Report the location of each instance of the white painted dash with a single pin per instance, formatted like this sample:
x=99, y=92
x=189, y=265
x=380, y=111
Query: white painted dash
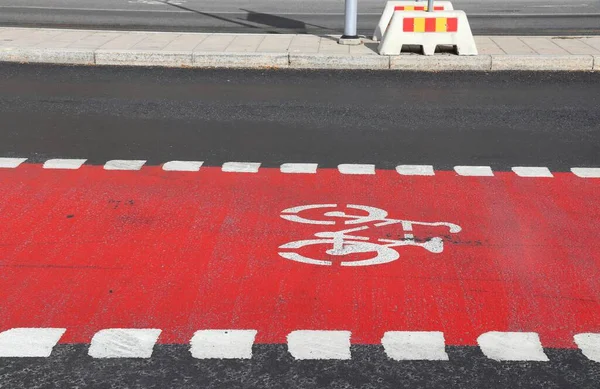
x=512, y=346
x=66, y=164
x=310, y=168
x=241, y=167
x=11, y=163
x=306, y=344
x=29, y=342
x=586, y=172
x=354, y=168
x=123, y=343
x=524, y=171
x=415, y=346
x=415, y=170
x=589, y=344
x=182, y=166
x=474, y=171
x=222, y=344
x=123, y=164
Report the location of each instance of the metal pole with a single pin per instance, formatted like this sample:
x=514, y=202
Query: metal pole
x=350, y=22
x=430, y=6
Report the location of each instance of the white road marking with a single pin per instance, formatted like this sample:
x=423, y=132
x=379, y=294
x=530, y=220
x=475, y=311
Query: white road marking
x=182, y=166
x=415, y=346
x=512, y=346
x=223, y=344
x=123, y=343
x=68, y=164
x=415, y=170
x=29, y=342
x=523, y=171
x=11, y=163
x=306, y=344
x=589, y=344
x=475, y=171
x=299, y=168
x=355, y=168
x=586, y=172
x=241, y=167
x=122, y=164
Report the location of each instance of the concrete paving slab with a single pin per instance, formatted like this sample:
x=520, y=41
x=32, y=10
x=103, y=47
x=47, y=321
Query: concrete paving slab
x=125, y=41
x=544, y=46
x=486, y=46
x=329, y=45
x=155, y=41
x=575, y=46
x=440, y=62
x=323, y=61
x=512, y=45
x=275, y=44
x=143, y=58
x=186, y=42
x=593, y=41
x=239, y=60
x=543, y=62
x=95, y=40
x=245, y=44
x=216, y=42
x=305, y=44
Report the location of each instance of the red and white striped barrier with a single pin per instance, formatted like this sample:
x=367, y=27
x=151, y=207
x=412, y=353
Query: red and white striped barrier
x=392, y=6
x=428, y=30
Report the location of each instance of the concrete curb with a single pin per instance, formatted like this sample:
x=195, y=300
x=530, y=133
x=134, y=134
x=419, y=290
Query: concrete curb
x=286, y=60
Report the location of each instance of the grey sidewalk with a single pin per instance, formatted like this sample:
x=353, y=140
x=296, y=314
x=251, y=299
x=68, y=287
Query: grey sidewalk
x=92, y=47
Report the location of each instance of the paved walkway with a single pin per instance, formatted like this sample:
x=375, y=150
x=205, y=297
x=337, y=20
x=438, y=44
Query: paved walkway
x=92, y=47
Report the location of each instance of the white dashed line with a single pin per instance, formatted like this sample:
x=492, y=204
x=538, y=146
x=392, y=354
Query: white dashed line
x=11, y=163
x=241, y=167
x=223, y=344
x=512, y=346
x=415, y=346
x=474, y=171
x=299, y=168
x=353, y=168
x=29, y=342
x=123, y=164
x=586, y=172
x=415, y=170
x=182, y=166
x=67, y=164
x=123, y=343
x=589, y=344
x=319, y=344
x=523, y=171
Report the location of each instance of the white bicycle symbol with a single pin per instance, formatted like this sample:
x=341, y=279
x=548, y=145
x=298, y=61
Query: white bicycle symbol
x=343, y=243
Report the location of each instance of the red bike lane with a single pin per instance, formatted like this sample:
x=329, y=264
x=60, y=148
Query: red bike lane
x=90, y=249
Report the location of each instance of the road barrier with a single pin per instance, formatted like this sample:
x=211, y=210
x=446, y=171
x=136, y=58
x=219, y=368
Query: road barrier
x=392, y=6
x=428, y=30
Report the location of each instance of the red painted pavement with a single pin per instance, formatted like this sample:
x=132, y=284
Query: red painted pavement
x=93, y=249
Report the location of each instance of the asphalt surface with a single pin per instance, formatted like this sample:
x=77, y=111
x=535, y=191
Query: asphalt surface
x=385, y=118
x=272, y=367
x=525, y=17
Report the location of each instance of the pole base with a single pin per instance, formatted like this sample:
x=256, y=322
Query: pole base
x=353, y=40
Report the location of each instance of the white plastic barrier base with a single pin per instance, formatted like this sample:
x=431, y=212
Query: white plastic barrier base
x=392, y=6
x=428, y=29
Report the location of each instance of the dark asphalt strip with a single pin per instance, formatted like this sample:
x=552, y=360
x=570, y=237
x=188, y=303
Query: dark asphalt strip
x=443, y=119
x=171, y=366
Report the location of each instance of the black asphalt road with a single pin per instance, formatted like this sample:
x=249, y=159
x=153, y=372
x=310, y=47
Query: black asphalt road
x=273, y=117
x=271, y=367
x=289, y=23
x=386, y=118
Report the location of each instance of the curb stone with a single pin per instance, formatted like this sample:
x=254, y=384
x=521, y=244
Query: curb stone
x=543, y=62
x=143, y=58
x=50, y=56
x=325, y=61
x=441, y=62
x=239, y=60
